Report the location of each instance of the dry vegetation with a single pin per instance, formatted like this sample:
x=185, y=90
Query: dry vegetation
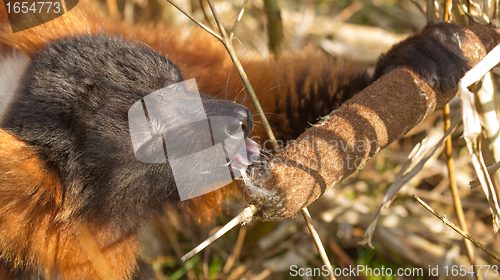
x=407, y=235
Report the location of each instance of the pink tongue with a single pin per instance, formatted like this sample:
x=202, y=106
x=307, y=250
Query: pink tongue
x=253, y=150
x=242, y=160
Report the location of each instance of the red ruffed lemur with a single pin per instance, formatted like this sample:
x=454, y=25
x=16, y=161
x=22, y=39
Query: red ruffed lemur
x=67, y=165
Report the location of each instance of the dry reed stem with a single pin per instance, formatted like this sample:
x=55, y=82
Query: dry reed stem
x=457, y=203
x=330, y=151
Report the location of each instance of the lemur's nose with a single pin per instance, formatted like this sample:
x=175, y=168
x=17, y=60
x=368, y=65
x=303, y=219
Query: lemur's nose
x=241, y=116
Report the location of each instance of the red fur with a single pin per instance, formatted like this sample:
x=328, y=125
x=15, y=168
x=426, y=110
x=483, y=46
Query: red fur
x=37, y=231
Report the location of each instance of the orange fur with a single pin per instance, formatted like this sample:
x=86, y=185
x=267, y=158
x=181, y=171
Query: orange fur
x=37, y=230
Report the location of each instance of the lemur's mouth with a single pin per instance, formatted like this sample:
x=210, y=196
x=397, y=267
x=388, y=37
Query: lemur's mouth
x=247, y=155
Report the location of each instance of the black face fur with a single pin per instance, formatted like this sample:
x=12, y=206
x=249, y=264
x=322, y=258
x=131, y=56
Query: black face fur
x=73, y=107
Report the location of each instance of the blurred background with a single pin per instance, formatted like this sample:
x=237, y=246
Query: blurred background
x=407, y=235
